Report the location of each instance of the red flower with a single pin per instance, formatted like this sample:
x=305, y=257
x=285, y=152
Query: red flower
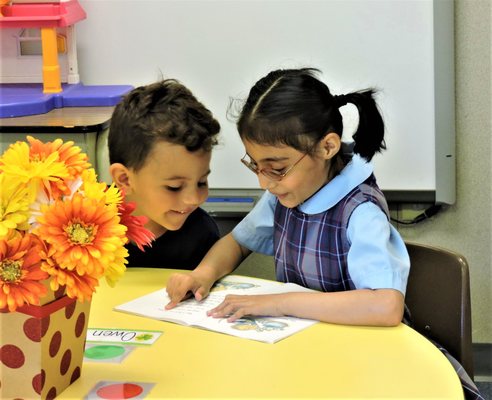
x=136, y=232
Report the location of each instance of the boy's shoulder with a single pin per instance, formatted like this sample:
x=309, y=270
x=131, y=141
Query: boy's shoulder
x=181, y=249
x=202, y=220
x=200, y=215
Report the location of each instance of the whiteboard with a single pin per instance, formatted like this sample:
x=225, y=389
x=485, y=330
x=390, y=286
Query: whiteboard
x=219, y=49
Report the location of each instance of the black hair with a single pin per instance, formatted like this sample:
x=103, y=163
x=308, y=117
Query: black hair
x=293, y=107
x=162, y=111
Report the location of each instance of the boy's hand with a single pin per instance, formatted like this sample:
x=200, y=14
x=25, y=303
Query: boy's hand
x=182, y=286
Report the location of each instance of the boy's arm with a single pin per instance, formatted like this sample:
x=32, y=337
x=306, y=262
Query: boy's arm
x=224, y=256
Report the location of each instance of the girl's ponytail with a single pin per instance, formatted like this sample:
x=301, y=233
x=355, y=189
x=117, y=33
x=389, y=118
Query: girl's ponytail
x=369, y=136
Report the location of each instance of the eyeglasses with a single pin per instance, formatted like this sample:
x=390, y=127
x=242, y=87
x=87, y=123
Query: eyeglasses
x=270, y=173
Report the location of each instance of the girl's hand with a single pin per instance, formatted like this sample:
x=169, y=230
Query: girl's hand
x=235, y=307
x=183, y=286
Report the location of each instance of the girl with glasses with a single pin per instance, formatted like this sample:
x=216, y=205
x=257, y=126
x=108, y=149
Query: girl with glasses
x=322, y=216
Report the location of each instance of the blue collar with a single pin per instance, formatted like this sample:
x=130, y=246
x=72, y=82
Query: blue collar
x=354, y=173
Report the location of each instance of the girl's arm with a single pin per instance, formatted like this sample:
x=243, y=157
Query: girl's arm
x=223, y=257
x=380, y=307
x=377, y=259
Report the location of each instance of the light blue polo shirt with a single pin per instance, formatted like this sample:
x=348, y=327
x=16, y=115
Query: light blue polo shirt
x=377, y=259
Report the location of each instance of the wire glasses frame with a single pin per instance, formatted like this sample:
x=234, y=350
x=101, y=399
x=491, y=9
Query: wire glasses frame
x=269, y=172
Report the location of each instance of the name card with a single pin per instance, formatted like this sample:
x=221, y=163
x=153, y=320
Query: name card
x=127, y=336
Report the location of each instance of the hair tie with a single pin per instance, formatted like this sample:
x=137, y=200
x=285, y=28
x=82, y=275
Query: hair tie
x=340, y=100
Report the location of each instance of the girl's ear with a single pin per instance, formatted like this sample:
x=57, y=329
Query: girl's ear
x=121, y=177
x=330, y=145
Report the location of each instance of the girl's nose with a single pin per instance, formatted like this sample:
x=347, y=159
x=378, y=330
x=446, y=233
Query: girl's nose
x=266, y=183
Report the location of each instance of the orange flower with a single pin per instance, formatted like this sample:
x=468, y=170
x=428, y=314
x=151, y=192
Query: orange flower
x=137, y=233
x=84, y=233
x=20, y=271
x=71, y=156
x=80, y=287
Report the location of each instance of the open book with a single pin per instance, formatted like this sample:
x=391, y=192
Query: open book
x=193, y=313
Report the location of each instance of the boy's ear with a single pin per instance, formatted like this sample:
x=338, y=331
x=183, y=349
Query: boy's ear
x=121, y=177
x=330, y=145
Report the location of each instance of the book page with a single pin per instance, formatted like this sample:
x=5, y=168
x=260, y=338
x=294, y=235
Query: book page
x=152, y=306
x=192, y=312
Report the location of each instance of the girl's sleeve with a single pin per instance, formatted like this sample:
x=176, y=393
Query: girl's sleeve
x=255, y=231
x=378, y=257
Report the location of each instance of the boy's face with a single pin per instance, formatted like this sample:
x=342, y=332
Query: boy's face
x=170, y=186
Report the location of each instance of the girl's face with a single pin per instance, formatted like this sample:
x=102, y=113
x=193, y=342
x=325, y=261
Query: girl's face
x=304, y=179
x=170, y=186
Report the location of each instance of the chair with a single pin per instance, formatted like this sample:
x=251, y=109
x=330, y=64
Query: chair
x=438, y=296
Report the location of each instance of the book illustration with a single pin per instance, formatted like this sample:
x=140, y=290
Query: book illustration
x=259, y=324
x=228, y=285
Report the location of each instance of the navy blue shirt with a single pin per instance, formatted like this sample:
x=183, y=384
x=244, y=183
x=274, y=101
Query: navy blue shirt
x=181, y=249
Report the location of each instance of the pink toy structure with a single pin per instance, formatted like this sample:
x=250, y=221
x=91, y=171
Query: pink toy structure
x=27, y=98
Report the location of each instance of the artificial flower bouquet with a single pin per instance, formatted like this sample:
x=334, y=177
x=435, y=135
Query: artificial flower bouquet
x=58, y=222
x=61, y=231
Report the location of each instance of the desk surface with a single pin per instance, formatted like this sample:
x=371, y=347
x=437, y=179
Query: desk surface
x=61, y=119
x=323, y=361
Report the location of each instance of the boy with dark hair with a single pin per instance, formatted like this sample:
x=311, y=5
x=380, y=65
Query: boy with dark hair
x=160, y=145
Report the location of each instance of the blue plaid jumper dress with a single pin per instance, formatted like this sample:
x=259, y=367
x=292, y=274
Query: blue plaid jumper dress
x=311, y=250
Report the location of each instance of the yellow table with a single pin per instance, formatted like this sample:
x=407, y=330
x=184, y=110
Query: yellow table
x=323, y=361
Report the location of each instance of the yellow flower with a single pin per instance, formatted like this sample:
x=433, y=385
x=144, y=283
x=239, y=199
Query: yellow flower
x=15, y=198
x=16, y=161
x=84, y=233
x=116, y=268
x=113, y=195
x=99, y=190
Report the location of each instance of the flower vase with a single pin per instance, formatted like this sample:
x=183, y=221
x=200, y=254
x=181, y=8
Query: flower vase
x=59, y=228
x=42, y=347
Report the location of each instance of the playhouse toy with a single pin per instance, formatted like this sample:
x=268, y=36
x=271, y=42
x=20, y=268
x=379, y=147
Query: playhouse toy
x=52, y=24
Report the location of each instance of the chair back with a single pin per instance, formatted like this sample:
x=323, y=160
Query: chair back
x=438, y=296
